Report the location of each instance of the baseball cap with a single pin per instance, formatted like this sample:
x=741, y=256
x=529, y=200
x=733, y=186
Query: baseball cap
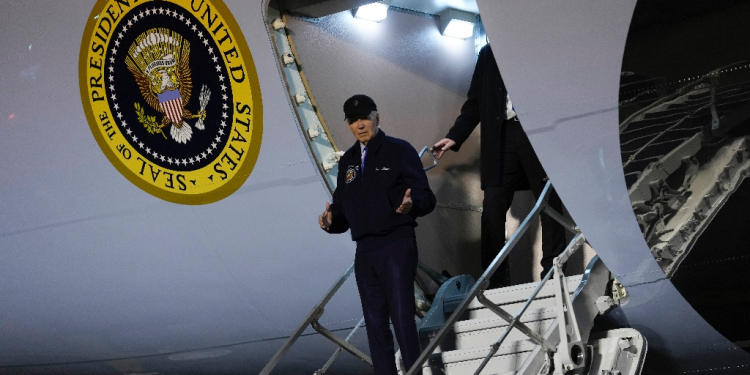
x=359, y=105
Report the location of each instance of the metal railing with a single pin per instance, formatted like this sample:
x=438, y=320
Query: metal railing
x=338, y=351
x=571, y=358
x=313, y=317
x=434, y=159
x=514, y=321
x=477, y=291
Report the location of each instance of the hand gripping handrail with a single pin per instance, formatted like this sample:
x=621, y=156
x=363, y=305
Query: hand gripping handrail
x=483, y=281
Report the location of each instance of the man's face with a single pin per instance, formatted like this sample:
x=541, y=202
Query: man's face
x=363, y=128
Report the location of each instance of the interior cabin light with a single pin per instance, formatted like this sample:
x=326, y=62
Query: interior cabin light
x=375, y=12
x=457, y=24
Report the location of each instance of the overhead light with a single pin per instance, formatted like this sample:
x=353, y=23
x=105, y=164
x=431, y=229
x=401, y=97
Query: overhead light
x=459, y=29
x=375, y=12
x=457, y=24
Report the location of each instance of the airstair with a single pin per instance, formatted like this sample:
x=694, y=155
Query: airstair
x=515, y=330
x=534, y=328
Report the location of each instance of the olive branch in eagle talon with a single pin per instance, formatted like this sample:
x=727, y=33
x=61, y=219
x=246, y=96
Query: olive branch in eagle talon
x=149, y=122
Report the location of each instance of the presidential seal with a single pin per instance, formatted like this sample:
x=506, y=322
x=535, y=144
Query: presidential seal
x=172, y=96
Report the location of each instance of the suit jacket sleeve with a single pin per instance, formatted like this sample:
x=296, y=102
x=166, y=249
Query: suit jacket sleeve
x=423, y=200
x=339, y=223
x=471, y=110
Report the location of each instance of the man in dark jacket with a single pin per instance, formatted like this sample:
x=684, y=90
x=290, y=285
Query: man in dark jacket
x=508, y=163
x=381, y=189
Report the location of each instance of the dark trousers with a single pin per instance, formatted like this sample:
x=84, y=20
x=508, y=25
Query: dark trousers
x=385, y=279
x=521, y=170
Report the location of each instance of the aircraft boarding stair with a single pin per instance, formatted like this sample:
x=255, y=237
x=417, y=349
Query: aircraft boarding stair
x=467, y=346
x=512, y=330
x=535, y=328
x=463, y=349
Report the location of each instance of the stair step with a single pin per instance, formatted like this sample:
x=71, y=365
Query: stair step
x=486, y=333
x=537, y=304
x=520, y=293
x=512, y=299
x=530, y=316
x=507, y=360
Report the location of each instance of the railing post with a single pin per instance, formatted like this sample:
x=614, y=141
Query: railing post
x=338, y=351
x=571, y=352
x=574, y=244
x=314, y=314
x=341, y=343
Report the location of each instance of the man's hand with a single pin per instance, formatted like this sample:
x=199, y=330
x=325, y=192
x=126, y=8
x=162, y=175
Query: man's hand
x=405, y=206
x=326, y=218
x=441, y=147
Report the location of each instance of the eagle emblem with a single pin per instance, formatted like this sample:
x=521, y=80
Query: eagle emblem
x=159, y=61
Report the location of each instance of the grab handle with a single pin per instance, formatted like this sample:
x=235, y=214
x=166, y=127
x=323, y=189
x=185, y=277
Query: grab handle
x=434, y=159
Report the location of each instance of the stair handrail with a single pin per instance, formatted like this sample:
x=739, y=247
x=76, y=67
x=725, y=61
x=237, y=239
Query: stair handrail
x=312, y=319
x=434, y=158
x=576, y=243
x=542, y=204
x=338, y=351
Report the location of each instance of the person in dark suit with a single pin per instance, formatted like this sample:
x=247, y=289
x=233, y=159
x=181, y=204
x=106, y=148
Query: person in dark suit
x=508, y=163
x=381, y=189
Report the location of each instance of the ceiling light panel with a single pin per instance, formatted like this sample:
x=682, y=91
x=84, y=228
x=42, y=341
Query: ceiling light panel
x=457, y=24
x=375, y=12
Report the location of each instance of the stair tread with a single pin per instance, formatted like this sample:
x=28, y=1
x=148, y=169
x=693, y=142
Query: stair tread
x=531, y=315
x=486, y=337
x=474, y=353
x=520, y=293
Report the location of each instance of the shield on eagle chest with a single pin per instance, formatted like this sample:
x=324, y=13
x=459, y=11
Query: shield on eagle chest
x=171, y=103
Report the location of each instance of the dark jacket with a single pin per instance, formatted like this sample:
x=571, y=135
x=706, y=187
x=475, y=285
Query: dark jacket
x=367, y=203
x=485, y=103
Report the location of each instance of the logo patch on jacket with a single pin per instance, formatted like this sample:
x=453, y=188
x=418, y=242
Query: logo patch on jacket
x=351, y=173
